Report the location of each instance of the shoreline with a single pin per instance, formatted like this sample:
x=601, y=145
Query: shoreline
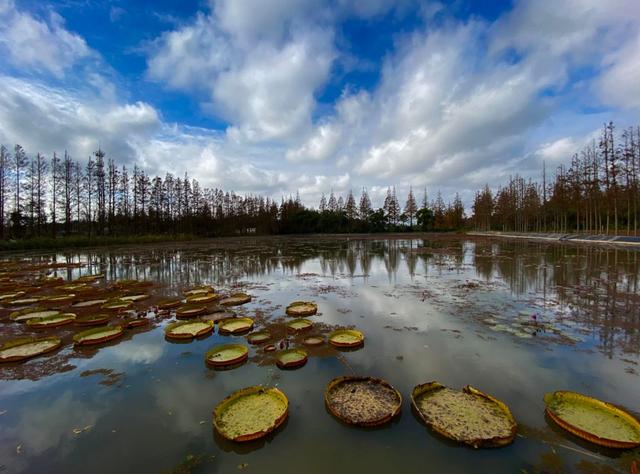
x=622, y=240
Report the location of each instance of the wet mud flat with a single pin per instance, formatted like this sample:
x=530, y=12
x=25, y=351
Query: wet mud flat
x=514, y=318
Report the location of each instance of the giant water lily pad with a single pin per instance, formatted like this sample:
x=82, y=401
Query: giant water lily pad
x=468, y=416
x=235, y=325
x=24, y=301
x=596, y=421
x=199, y=290
x=25, y=315
x=89, y=303
x=346, y=338
x=313, y=341
x=51, y=321
x=302, y=308
x=226, y=354
x=250, y=413
x=12, y=295
x=258, y=337
x=169, y=303
x=362, y=401
x=235, y=299
x=299, y=324
x=190, y=311
x=188, y=329
x=26, y=348
x=59, y=299
x=98, y=335
x=134, y=298
x=117, y=304
x=291, y=358
x=92, y=319
x=202, y=298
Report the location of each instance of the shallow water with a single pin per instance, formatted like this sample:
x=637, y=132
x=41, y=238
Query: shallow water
x=513, y=319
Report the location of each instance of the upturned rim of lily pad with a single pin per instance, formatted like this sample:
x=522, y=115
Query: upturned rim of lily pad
x=303, y=356
x=568, y=396
x=357, y=334
x=190, y=311
x=92, y=319
x=300, y=324
x=22, y=315
x=244, y=355
x=346, y=379
x=169, y=303
x=292, y=311
x=80, y=338
x=235, y=299
x=28, y=340
x=231, y=399
x=493, y=442
x=259, y=337
x=168, y=330
x=116, y=304
x=223, y=329
x=43, y=322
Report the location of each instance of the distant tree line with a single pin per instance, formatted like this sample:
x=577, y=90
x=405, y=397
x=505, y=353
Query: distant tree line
x=598, y=192
x=60, y=196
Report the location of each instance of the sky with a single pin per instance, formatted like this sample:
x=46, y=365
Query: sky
x=313, y=96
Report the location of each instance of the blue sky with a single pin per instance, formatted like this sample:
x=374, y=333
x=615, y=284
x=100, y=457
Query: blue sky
x=316, y=95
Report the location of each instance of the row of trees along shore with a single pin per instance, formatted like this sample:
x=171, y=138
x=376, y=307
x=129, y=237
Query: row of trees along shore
x=59, y=196
x=597, y=192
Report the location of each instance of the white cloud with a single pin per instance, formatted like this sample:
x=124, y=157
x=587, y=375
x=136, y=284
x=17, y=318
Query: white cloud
x=37, y=44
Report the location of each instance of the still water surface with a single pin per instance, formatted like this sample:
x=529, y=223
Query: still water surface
x=514, y=319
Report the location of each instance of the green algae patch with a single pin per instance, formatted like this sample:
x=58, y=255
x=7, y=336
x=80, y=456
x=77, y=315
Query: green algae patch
x=250, y=413
x=235, y=299
x=51, y=321
x=25, y=315
x=98, y=335
x=593, y=420
x=235, y=325
x=299, y=324
x=346, y=338
x=291, y=358
x=226, y=354
x=468, y=416
x=362, y=401
x=302, y=308
x=258, y=337
x=26, y=348
x=188, y=329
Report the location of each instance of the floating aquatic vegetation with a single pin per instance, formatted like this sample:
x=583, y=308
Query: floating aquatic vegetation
x=291, y=358
x=199, y=290
x=131, y=323
x=92, y=319
x=75, y=287
x=235, y=299
x=235, y=325
x=11, y=296
x=169, y=303
x=258, y=337
x=362, y=401
x=250, y=413
x=202, y=298
x=26, y=348
x=134, y=298
x=299, y=324
x=68, y=298
x=190, y=311
x=90, y=278
x=313, y=341
x=302, y=308
x=89, y=303
x=24, y=301
x=51, y=321
x=26, y=314
x=98, y=335
x=346, y=338
x=117, y=304
x=188, y=329
x=226, y=355
x=596, y=421
x=468, y=416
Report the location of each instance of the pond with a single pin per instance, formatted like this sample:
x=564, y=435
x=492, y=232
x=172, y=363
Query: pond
x=514, y=319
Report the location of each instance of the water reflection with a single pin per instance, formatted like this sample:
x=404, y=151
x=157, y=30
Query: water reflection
x=515, y=319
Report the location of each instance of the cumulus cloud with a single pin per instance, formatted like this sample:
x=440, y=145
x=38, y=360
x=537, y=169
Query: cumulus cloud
x=43, y=45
